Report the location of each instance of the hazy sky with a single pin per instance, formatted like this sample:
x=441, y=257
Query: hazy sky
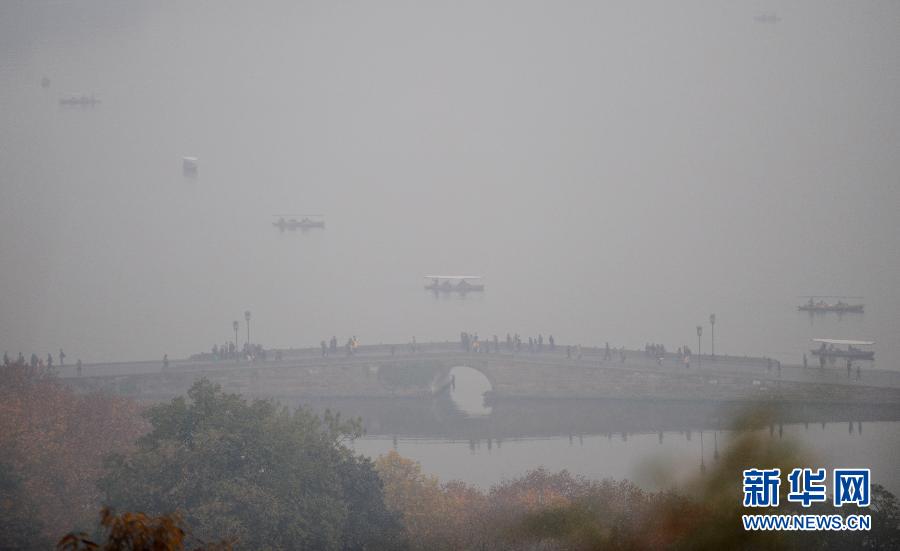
x=616, y=171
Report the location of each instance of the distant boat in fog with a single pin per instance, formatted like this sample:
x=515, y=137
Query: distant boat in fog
x=308, y=221
x=454, y=283
x=813, y=305
x=767, y=18
x=830, y=348
x=189, y=164
x=78, y=100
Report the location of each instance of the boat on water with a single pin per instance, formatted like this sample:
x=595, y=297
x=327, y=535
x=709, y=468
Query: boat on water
x=769, y=18
x=306, y=222
x=189, y=164
x=831, y=348
x=813, y=305
x=453, y=283
x=79, y=100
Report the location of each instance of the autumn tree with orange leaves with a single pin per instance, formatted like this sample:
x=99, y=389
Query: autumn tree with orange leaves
x=138, y=532
x=53, y=442
x=561, y=511
x=556, y=510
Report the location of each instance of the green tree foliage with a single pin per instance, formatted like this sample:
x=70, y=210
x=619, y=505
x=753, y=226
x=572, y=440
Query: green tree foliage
x=885, y=511
x=19, y=524
x=254, y=472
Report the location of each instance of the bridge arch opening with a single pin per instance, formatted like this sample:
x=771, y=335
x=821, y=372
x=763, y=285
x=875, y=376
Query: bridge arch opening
x=468, y=389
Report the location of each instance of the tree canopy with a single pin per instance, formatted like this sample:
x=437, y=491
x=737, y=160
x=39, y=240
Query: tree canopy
x=255, y=472
x=52, y=444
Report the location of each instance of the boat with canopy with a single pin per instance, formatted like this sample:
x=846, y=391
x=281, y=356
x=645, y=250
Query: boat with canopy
x=306, y=221
x=812, y=305
x=832, y=348
x=453, y=283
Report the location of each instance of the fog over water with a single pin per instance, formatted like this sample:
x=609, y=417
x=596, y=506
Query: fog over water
x=651, y=462
x=615, y=171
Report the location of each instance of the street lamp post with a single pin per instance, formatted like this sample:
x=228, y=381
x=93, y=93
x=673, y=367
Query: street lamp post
x=702, y=464
x=247, y=319
x=235, y=325
x=712, y=323
x=699, y=353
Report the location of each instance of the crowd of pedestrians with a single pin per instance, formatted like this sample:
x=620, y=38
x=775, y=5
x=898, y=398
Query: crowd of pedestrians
x=471, y=342
x=228, y=351
x=38, y=362
x=331, y=347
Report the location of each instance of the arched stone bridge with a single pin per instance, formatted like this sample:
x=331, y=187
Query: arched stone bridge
x=385, y=371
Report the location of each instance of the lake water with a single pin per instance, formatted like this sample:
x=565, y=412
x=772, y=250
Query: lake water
x=658, y=446
x=652, y=462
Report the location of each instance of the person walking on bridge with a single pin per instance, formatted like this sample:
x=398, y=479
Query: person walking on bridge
x=324, y=348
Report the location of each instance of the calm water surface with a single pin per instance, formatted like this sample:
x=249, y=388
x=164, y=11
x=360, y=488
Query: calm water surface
x=656, y=446
x=652, y=462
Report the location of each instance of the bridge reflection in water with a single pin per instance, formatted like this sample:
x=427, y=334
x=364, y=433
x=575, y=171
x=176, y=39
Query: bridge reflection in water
x=652, y=461
x=649, y=441
x=508, y=418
